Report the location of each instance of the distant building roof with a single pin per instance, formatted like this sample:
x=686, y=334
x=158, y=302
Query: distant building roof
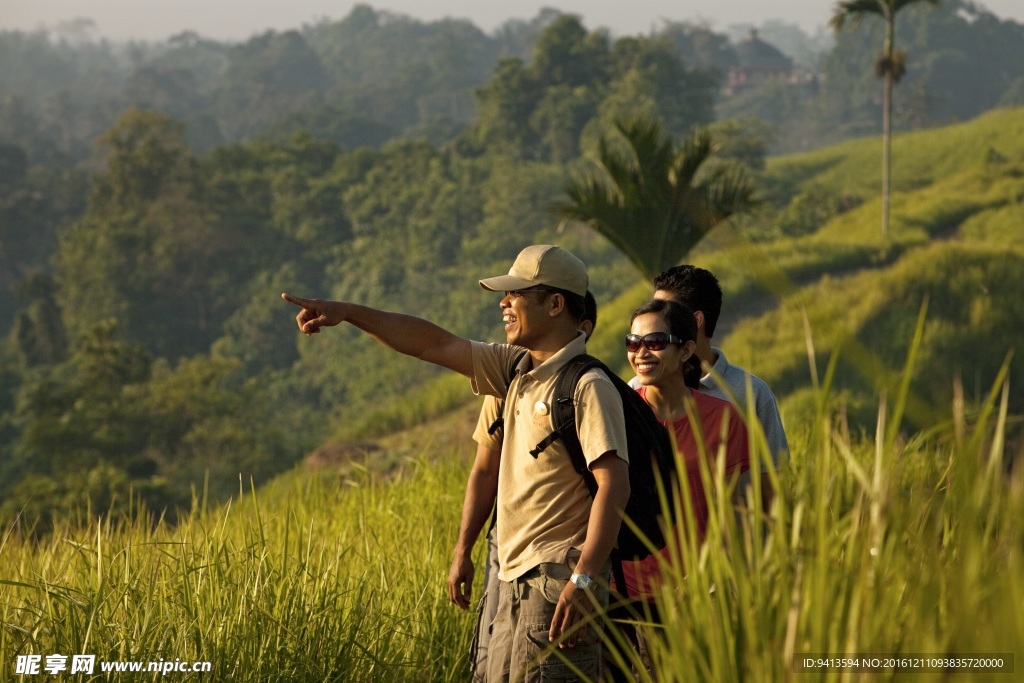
x=756, y=62
x=754, y=52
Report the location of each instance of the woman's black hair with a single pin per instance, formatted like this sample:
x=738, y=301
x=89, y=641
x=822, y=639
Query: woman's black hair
x=682, y=324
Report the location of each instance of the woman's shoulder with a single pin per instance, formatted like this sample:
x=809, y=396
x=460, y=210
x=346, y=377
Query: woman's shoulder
x=707, y=402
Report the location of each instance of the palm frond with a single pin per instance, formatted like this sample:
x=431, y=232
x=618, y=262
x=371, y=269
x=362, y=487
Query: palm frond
x=854, y=11
x=647, y=197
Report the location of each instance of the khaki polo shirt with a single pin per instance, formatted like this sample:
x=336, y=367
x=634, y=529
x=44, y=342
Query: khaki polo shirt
x=543, y=503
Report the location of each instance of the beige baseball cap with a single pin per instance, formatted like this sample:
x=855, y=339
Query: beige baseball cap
x=542, y=264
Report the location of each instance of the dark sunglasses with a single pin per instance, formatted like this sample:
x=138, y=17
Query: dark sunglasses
x=538, y=289
x=655, y=341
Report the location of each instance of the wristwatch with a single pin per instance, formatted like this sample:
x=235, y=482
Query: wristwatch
x=581, y=581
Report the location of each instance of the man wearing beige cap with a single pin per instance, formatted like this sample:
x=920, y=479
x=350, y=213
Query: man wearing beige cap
x=554, y=540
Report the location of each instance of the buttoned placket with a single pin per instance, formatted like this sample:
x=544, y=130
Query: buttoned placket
x=525, y=380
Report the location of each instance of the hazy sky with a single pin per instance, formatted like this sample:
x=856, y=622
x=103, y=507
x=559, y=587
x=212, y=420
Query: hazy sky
x=239, y=19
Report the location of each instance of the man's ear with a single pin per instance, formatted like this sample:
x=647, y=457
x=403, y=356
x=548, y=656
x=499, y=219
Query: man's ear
x=556, y=304
x=698, y=316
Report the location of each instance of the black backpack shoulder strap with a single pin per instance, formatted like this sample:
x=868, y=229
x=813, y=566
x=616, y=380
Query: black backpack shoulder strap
x=499, y=422
x=563, y=416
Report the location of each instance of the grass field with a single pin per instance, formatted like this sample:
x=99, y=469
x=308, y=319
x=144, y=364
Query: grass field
x=313, y=578
x=892, y=544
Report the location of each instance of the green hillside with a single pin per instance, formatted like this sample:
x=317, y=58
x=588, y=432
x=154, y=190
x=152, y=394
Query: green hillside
x=957, y=244
x=919, y=158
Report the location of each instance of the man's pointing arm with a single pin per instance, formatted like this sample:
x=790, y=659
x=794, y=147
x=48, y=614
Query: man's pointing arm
x=404, y=333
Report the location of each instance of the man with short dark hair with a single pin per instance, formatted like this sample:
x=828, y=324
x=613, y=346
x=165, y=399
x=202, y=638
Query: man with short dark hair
x=481, y=491
x=554, y=539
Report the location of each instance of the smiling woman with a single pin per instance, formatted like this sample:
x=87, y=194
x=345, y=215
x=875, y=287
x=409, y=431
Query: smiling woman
x=661, y=348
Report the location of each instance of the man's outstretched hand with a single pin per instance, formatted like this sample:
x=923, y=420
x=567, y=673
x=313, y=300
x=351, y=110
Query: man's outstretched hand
x=316, y=313
x=406, y=334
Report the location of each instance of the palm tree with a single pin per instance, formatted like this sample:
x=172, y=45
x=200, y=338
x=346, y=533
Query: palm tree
x=652, y=199
x=890, y=67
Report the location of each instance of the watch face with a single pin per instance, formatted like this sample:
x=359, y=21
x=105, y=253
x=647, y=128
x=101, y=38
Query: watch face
x=582, y=581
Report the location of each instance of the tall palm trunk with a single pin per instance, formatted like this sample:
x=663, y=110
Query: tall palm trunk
x=890, y=30
x=889, y=68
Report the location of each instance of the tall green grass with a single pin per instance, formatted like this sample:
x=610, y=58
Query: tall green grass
x=312, y=578
x=897, y=544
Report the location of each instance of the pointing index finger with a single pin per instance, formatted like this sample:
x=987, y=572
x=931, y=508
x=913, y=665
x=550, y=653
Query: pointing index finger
x=298, y=301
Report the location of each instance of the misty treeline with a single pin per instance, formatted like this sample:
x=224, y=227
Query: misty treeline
x=374, y=76
x=156, y=198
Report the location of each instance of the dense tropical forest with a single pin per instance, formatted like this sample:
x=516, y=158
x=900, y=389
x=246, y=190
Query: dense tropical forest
x=156, y=198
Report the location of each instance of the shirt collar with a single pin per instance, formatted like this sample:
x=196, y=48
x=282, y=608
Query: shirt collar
x=552, y=365
x=718, y=368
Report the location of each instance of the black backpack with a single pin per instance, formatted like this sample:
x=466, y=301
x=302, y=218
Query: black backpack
x=651, y=457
